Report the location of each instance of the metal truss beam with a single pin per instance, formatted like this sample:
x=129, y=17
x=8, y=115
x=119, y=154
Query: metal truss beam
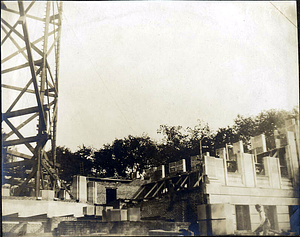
x=45, y=88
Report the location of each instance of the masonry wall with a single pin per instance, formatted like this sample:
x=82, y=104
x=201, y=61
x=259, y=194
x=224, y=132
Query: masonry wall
x=27, y=208
x=116, y=228
x=183, y=207
x=245, y=187
x=124, y=190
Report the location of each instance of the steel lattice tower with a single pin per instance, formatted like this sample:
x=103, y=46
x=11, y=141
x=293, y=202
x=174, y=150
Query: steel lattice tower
x=32, y=58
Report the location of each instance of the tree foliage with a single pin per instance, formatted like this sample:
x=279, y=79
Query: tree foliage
x=135, y=153
x=246, y=127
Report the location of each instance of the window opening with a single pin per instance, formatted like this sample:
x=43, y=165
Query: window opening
x=111, y=195
x=242, y=217
x=271, y=214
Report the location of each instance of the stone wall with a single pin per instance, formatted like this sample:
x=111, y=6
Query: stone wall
x=141, y=228
x=124, y=190
x=30, y=207
x=182, y=207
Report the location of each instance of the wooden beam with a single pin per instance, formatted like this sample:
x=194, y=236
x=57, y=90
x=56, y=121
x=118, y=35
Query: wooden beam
x=21, y=36
x=32, y=65
x=20, y=141
x=183, y=182
x=30, y=110
x=53, y=117
x=16, y=131
x=29, y=177
x=24, y=48
x=37, y=62
x=139, y=192
x=9, y=33
x=14, y=42
x=18, y=163
x=27, y=15
x=27, y=90
x=162, y=184
x=19, y=154
x=21, y=125
x=198, y=181
x=154, y=186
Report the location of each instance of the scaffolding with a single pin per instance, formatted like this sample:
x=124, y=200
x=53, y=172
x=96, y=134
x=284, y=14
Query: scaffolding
x=30, y=67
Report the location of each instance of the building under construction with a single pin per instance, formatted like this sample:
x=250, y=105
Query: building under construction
x=202, y=195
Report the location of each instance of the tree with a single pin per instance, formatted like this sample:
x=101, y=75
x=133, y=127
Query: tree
x=179, y=143
x=200, y=133
x=174, y=144
x=126, y=155
x=224, y=136
x=246, y=127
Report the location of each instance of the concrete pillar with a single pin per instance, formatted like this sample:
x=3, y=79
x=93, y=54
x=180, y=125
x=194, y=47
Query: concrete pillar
x=47, y=194
x=249, y=170
x=5, y=192
x=92, y=192
x=163, y=171
x=210, y=167
x=79, y=188
x=293, y=158
x=272, y=169
x=259, y=143
x=183, y=165
x=215, y=219
x=133, y=214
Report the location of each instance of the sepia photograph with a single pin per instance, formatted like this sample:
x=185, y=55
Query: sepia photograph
x=150, y=118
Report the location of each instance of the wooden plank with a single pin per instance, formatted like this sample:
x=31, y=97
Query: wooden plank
x=158, y=189
x=18, y=163
x=29, y=177
x=21, y=125
x=14, y=42
x=27, y=90
x=139, y=192
x=16, y=131
x=154, y=186
x=21, y=36
x=24, y=48
x=20, y=141
x=19, y=154
x=26, y=111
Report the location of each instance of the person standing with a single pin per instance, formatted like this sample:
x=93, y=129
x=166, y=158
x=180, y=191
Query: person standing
x=264, y=221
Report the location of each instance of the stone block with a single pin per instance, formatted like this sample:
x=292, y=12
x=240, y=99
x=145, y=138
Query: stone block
x=214, y=211
x=218, y=227
x=210, y=166
x=133, y=214
x=47, y=194
x=238, y=147
x=64, y=195
x=92, y=192
x=79, y=188
x=113, y=215
x=123, y=213
x=258, y=143
x=217, y=211
x=104, y=213
x=203, y=227
x=195, y=163
x=177, y=166
x=249, y=170
x=201, y=212
x=5, y=192
x=89, y=210
x=272, y=170
x=98, y=211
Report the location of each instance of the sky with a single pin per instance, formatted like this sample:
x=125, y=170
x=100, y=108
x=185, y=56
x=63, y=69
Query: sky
x=129, y=67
